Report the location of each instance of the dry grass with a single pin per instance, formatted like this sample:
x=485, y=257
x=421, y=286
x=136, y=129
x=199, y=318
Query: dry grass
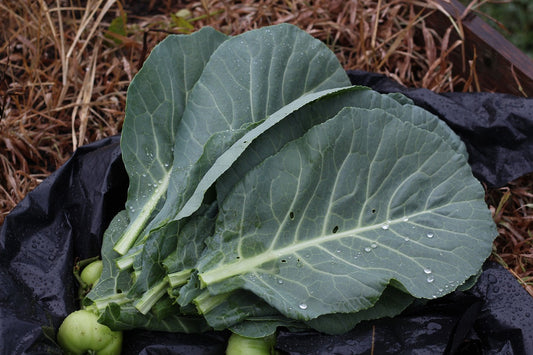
x=64, y=75
x=512, y=208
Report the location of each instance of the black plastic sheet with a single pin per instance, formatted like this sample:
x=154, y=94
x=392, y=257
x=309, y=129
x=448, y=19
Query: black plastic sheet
x=64, y=218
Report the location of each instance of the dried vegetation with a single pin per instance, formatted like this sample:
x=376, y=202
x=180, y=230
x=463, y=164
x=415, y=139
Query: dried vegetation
x=65, y=66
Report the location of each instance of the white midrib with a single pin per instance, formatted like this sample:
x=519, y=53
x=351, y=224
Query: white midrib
x=243, y=266
x=131, y=233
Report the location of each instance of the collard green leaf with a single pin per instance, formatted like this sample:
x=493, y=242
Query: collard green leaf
x=300, y=121
x=391, y=303
x=155, y=104
x=260, y=327
x=127, y=317
x=248, y=78
x=358, y=201
x=236, y=307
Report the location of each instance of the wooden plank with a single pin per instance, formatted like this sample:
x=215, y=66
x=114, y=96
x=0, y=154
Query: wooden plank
x=500, y=66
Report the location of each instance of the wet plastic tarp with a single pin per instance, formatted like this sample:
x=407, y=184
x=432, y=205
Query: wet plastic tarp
x=64, y=218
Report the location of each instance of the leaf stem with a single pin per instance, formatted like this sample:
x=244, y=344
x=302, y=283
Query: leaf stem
x=126, y=261
x=179, y=278
x=100, y=304
x=206, y=302
x=150, y=297
x=131, y=234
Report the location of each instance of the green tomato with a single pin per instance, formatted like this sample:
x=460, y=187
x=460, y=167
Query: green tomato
x=80, y=332
x=91, y=273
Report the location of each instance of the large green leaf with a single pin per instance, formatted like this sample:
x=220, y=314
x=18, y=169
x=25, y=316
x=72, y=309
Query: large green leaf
x=359, y=201
x=391, y=303
x=155, y=104
x=272, y=70
x=300, y=121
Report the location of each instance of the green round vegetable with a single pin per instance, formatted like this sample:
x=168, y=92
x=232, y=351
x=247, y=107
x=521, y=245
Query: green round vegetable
x=80, y=332
x=91, y=273
x=240, y=345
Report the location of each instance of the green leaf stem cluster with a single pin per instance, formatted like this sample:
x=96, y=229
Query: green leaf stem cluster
x=266, y=191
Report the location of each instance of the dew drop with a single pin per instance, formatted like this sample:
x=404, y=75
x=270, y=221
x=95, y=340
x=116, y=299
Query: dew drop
x=430, y=279
x=385, y=227
x=406, y=239
x=430, y=235
x=374, y=245
x=302, y=306
x=280, y=281
x=427, y=271
x=368, y=249
x=405, y=219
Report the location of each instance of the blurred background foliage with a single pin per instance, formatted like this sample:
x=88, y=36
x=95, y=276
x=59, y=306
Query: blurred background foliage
x=512, y=18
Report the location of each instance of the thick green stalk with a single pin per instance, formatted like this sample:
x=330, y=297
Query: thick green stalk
x=100, y=304
x=205, y=302
x=134, y=230
x=126, y=261
x=150, y=297
x=179, y=278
